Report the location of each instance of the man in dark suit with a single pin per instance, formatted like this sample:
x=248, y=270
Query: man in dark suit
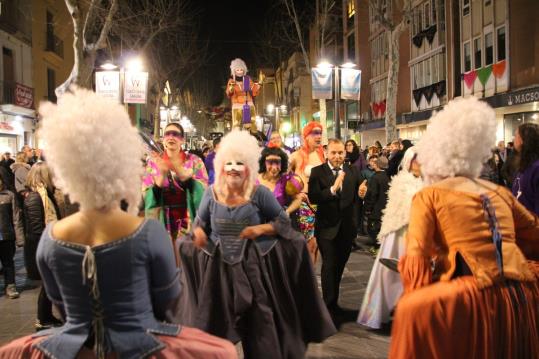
x=333, y=186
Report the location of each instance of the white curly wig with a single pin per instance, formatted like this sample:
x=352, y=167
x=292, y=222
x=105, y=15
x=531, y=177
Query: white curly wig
x=458, y=140
x=238, y=64
x=239, y=146
x=93, y=150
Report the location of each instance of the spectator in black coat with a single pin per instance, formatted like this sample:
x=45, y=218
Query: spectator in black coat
x=395, y=158
x=7, y=161
x=11, y=232
x=42, y=205
x=376, y=199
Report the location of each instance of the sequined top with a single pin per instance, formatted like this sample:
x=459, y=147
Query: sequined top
x=192, y=163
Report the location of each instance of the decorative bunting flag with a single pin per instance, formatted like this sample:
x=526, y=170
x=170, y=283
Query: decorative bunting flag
x=498, y=69
x=382, y=107
x=429, y=92
x=417, y=96
x=430, y=32
x=439, y=88
x=469, y=78
x=418, y=40
x=484, y=73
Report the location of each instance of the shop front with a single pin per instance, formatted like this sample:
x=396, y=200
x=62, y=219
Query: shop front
x=513, y=109
x=16, y=128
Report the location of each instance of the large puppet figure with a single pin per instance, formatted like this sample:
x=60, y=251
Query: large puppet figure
x=241, y=90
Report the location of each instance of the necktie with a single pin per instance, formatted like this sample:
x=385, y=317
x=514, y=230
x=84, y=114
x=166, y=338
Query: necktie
x=336, y=171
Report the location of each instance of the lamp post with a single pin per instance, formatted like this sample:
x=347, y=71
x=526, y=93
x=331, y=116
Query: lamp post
x=279, y=110
x=131, y=79
x=336, y=112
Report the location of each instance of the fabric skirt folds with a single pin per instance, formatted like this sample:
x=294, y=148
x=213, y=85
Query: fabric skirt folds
x=385, y=286
x=456, y=319
x=269, y=302
x=190, y=343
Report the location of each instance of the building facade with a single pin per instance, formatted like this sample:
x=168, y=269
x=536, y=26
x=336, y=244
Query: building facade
x=452, y=48
x=52, y=47
x=17, y=100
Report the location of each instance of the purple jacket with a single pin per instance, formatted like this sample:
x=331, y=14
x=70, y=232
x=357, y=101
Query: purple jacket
x=526, y=187
x=208, y=162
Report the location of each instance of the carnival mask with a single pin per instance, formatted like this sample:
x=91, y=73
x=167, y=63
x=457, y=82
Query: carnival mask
x=236, y=166
x=172, y=133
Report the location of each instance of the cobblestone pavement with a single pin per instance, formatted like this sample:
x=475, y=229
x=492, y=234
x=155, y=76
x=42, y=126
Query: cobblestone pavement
x=17, y=316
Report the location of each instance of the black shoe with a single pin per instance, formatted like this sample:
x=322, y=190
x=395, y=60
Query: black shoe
x=39, y=325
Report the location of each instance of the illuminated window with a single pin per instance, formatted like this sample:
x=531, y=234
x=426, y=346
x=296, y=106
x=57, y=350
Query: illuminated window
x=351, y=8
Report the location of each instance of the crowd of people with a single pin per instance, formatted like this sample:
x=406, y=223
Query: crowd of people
x=222, y=248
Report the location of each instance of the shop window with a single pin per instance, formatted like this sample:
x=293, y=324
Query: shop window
x=465, y=7
x=477, y=53
x=489, y=49
x=467, y=57
x=500, y=45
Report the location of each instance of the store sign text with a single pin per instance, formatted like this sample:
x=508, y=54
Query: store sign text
x=6, y=126
x=24, y=96
x=522, y=98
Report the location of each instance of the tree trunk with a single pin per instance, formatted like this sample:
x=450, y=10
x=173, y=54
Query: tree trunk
x=157, y=115
x=392, y=85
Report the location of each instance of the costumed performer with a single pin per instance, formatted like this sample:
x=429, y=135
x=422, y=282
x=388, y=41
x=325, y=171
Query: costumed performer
x=109, y=272
x=469, y=289
x=385, y=286
x=242, y=90
x=173, y=184
x=286, y=187
x=251, y=279
x=311, y=154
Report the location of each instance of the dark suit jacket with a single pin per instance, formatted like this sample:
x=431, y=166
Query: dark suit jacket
x=336, y=210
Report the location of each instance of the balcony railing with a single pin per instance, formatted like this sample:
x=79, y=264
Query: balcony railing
x=12, y=93
x=54, y=44
x=8, y=92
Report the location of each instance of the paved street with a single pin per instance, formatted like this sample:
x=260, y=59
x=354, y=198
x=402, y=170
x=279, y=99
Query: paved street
x=352, y=341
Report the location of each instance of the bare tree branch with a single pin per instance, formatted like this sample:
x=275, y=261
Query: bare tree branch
x=107, y=24
x=380, y=16
x=291, y=9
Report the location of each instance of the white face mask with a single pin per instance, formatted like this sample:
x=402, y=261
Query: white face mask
x=237, y=166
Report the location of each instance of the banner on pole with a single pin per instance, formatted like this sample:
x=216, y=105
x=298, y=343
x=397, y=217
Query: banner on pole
x=322, y=79
x=135, y=87
x=107, y=84
x=350, y=84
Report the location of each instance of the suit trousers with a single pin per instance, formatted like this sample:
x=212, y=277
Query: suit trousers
x=335, y=253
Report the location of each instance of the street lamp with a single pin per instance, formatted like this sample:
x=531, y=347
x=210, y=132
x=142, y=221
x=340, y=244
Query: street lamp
x=336, y=117
x=279, y=110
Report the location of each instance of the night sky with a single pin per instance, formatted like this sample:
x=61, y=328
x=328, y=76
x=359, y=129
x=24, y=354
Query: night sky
x=231, y=30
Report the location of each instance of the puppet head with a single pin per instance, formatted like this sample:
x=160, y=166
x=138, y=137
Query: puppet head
x=238, y=68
